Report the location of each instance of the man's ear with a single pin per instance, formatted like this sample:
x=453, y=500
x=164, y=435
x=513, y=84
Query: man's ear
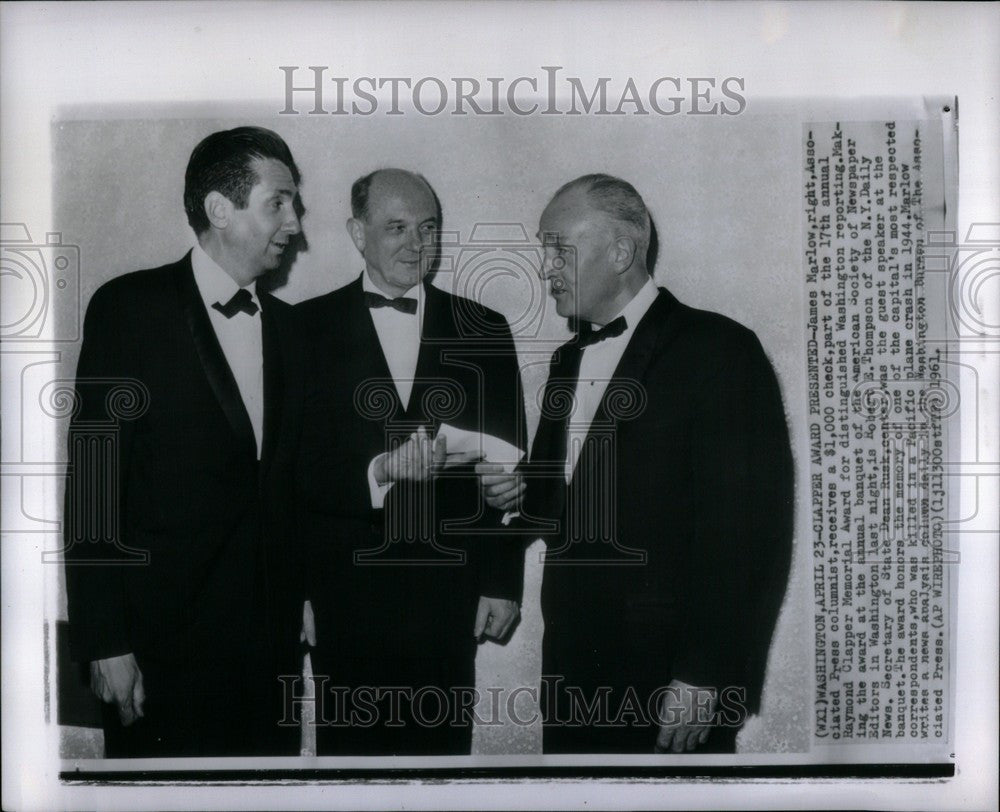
x=218, y=209
x=622, y=252
x=357, y=231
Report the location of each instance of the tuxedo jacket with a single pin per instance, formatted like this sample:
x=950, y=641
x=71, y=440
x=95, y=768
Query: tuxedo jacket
x=403, y=580
x=668, y=552
x=179, y=543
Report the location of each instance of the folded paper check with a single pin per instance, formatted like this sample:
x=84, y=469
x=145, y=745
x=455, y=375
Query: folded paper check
x=492, y=449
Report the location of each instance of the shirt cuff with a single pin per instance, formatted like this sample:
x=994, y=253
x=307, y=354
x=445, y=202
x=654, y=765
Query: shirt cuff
x=509, y=516
x=377, y=491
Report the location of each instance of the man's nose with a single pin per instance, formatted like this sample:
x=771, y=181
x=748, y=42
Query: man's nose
x=292, y=225
x=416, y=241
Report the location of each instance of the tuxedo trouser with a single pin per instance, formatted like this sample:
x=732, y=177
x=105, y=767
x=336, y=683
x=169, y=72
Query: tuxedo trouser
x=396, y=705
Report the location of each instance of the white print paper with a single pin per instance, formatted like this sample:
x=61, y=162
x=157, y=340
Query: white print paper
x=493, y=449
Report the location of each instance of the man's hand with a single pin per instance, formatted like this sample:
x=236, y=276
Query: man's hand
x=419, y=458
x=416, y=459
x=119, y=680
x=308, y=633
x=495, y=617
x=501, y=490
x=686, y=717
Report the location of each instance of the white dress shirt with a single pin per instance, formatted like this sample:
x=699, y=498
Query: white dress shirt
x=240, y=336
x=597, y=366
x=399, y=336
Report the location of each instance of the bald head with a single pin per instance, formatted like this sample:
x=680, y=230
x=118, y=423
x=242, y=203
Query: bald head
x=383, y=181
x=619, y=202
x=595, y=235
x=395, y=221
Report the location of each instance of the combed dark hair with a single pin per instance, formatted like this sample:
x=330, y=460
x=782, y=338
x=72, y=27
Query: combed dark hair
x=224, y=162
x=362, y=186
x=619, y=200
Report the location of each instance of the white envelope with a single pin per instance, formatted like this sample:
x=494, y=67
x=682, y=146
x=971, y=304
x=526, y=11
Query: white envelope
x=493, y=449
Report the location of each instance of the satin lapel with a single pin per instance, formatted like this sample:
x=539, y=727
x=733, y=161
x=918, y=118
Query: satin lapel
x=548, y=451
x=629, y=374
x=437, y=332
x=365, y=355
x=274, y=380
x=631, y=369
x=213, y=362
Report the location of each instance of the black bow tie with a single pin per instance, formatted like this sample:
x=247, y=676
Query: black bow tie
x=403, y=304
x=242, y=302
x=612, y=329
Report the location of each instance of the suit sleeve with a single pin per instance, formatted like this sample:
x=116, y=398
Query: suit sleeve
x=741, y=478
x=332, y=469
x=328, y=472
x=501, y=557
x=335, y=443
x=94, y=503
x=296, y=359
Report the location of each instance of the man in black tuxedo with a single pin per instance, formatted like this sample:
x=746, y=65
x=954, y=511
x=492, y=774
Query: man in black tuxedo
x=184, y=584
x=408, y=571
x=661, y=480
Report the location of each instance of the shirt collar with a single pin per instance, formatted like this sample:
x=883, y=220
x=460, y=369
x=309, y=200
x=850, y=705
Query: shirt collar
x=636, y=309
x=214, y=284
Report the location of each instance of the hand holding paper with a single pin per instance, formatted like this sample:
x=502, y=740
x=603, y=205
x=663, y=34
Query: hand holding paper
x=501, y=490
x=419, y=458
x=500, y=487
x=472, y=445
x=416, y=459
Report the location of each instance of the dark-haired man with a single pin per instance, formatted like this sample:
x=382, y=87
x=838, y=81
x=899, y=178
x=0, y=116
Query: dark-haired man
x=406, y=576
x=184, y=591
x=662, y=461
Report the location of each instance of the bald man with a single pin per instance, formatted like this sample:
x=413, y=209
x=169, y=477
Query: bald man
x=406, y=574
x=662, y=460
